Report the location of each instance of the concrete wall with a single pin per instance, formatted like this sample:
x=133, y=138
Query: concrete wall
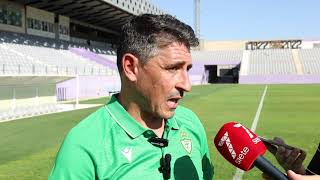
x=89, y=87
x=30, y=95
x=221, y=45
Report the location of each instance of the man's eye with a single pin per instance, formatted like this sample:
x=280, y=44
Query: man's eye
x=173, y=68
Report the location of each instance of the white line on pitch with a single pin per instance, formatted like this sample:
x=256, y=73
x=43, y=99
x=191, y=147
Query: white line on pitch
x=239, y=173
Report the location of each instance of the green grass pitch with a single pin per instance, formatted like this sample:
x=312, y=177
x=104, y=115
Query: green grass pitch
x=28, y=146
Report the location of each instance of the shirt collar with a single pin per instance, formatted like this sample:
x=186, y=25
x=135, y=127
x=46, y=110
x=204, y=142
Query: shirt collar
x=172, y=123
x=127, y=122
x=123, y=118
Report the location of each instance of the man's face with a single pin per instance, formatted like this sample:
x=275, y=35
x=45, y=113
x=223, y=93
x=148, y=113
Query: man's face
x=163, y=80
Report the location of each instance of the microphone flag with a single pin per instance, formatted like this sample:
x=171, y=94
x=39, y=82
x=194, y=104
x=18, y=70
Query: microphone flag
x=239, y=145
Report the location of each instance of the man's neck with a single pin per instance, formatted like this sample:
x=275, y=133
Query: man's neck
x=156, y=124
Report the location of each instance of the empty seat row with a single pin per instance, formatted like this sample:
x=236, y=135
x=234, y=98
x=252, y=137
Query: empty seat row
x=271, y=61
x=28, y=111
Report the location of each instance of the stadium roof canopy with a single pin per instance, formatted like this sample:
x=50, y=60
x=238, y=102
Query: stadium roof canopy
x=102, y=13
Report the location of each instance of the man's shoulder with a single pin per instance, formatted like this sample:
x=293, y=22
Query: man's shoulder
x=92, y=120
x=92, y=127
x=184, y=110
x=187, y=119
x=186, y=114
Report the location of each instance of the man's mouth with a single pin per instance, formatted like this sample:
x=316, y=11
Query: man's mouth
x=173, y=102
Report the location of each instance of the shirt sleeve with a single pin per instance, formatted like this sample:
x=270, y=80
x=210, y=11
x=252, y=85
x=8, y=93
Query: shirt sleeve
x=73, y=161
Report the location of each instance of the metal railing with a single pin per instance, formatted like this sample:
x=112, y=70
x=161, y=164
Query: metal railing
x=21, y=69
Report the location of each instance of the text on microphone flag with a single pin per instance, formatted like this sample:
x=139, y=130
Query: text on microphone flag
x=239, y=145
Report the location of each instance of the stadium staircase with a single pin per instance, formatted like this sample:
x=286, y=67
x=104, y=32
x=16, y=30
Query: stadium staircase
x=244, y=63
x=297, y=62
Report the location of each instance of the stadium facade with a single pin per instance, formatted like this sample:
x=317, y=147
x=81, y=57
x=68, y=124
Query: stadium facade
x=54, y=51
x=294, y=61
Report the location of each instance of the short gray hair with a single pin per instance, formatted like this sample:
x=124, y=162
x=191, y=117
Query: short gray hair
x=143, y=35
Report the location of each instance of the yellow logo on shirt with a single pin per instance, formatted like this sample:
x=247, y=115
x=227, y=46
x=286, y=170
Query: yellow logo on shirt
x=183, y=134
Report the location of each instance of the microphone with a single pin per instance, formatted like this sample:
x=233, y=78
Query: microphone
x=158, y=142
x=165, y=166
x=244, y=149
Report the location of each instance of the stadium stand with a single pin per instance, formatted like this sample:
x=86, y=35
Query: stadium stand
x=310, y=59
x=218, y=57
x=280, y=66
x=45, y=56
x=29, y=56
x=271, y=61
x=112, y=58
x=94, y=57
x=263, y=66
x=52, y=51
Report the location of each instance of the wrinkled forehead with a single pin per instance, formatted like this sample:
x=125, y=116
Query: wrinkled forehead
x=164, y=40
x=178, y=50
x=175, y=52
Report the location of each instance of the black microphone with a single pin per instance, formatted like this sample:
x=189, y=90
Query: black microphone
x=165, y=166
x=158, y=142
x=265, y=166
x=165, y=161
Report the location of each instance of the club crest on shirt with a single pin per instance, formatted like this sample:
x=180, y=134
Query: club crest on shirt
x=187, y=145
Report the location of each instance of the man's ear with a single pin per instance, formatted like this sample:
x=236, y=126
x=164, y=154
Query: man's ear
x=130, y=66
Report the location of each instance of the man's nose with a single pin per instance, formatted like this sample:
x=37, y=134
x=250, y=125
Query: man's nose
x=184, y=82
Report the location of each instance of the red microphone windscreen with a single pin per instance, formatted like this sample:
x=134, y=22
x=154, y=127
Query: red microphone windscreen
x=240, y=146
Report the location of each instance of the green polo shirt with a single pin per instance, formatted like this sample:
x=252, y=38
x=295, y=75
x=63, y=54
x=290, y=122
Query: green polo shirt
x=110, y=144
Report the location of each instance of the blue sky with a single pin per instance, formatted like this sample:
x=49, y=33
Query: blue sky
x=250, y=19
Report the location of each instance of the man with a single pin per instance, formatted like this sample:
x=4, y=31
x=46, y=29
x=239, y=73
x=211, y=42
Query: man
x=142, y=133
x=292, y=161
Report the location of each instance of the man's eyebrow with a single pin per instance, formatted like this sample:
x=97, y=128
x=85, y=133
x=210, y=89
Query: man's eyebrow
x=181, y=63
x=177, y=63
